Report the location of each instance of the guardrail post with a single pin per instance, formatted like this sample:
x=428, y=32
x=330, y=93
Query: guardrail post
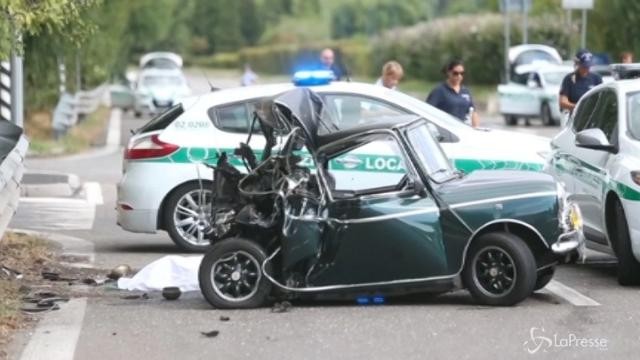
x=5, y=91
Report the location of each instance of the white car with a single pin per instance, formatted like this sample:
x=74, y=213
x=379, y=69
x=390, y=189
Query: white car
x=160, y=187
x=597, y=157
x=161, y=60
x=533, y=92
x=158, y=89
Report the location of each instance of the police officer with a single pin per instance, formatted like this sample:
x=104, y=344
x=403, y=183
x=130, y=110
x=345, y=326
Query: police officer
x=577, y=83
x=452, y=97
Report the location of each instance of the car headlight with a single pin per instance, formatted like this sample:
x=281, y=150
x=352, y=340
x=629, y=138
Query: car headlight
x=570, y=217
x=574, y=217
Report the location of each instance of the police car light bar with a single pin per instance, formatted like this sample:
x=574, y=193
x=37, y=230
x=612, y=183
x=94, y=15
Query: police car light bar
x=313, y=77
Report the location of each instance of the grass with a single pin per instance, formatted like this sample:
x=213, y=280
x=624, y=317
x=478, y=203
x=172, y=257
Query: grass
x=86, y=134
x=26, y=254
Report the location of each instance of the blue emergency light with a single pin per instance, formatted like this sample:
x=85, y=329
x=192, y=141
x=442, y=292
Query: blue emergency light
x=312, y=77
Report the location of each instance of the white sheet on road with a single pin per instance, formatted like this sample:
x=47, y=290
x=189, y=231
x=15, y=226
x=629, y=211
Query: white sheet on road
x=171, y=270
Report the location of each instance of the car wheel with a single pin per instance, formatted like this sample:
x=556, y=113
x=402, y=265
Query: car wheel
x=510, y=120
x=500, y=269
x=545, y=113
x=544, y=276
x=187, y=216
x=230, y=275
x=628, y=266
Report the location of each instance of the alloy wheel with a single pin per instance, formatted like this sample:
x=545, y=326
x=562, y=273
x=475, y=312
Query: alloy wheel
x=192, y=217
x=494, y=271
x=236, y=277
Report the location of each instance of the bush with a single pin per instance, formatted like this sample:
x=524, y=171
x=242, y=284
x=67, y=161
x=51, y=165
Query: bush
x=285, y=59
x=476, y=39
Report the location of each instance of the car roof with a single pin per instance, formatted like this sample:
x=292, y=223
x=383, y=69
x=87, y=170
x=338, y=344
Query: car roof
x=542, y=67
x=380, y=124
x=161, y=72
x=230, y=95
x=630, y=85
x=517, y=50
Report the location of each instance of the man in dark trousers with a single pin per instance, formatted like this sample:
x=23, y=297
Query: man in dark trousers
x=577, y=83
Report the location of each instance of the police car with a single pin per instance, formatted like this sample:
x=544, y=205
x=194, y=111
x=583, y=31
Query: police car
x=160, y=187
x=533, y=92
x=597, y=157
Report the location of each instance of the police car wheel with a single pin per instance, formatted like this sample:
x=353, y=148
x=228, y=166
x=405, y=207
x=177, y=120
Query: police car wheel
x=187, y=214
x=545, y=113
x=510, y=120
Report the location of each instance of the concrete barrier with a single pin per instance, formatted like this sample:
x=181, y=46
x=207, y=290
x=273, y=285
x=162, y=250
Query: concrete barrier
x=13, y=148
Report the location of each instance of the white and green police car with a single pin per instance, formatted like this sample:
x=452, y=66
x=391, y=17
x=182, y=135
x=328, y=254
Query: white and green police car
x=597, y=157
x=160, y=187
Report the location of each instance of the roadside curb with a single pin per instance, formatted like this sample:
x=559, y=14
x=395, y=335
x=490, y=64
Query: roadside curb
x=57, y=333
x=49, y=184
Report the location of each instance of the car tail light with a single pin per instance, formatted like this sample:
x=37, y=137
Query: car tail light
x=149, y=147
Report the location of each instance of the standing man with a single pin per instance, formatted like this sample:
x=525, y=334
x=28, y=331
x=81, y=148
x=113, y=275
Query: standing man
x=577, y=83
x=327, y=61
x=626, y=57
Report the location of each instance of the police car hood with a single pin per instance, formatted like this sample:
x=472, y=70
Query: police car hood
x=512, y=142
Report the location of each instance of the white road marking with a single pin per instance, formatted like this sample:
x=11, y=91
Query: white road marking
x=93, y=193
x=113, y=135
x=54, y=214
x=571, y=295
x=57, y=334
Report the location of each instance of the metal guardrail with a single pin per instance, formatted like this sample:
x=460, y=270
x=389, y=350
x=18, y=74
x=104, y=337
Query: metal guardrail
x=71, y=109
x=13, y=149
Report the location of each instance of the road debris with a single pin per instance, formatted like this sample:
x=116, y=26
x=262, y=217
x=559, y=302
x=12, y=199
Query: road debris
x=143, y=296
x=210, y=334
x=171, y=292
x=281, y=307
x=10, y=273
x=224, y=318
x=119, y=271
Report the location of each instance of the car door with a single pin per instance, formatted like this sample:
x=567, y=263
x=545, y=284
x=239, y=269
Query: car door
x=564, y=163
x=380, y=229
x=591, y=174
x=517, y=97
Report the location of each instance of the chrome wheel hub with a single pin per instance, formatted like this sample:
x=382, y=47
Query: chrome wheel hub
x=192, y=217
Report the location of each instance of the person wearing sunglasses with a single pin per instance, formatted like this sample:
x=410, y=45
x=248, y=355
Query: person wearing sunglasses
x=452, y=97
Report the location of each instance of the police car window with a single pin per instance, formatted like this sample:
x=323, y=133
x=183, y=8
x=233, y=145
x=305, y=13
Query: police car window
x=633, y=104
x=375, y=167
x=605, y=114
x=584, y=112
x=234, y=117
x=352, y=110
x=520, y=78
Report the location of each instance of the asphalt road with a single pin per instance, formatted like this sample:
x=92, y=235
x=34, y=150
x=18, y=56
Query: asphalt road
x=549, y=324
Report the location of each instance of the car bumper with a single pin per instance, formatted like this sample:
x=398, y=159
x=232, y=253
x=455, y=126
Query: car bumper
x=139, y=221
x=568, y=242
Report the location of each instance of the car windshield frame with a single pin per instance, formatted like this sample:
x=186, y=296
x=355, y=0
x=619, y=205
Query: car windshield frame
x=421, y=143
x=633, y=131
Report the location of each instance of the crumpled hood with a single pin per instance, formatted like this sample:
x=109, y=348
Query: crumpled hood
x=484, y=185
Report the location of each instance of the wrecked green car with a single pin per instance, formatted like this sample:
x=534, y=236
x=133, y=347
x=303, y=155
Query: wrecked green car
x=289, y=229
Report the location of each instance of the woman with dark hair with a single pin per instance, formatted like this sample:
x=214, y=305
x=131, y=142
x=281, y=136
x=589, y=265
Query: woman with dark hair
x=452, y=97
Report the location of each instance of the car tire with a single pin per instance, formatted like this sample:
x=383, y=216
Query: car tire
x=510, y=120
x=495, y=261
x=628, y=266
x=547, y=117
x=230, y=275
x=544, y=276
x=175, y=217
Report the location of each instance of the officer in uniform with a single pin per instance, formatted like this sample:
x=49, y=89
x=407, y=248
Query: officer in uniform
x=577, y=83
x=452, y=97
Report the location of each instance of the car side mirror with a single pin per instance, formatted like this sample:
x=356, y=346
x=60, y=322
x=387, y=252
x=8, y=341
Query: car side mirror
x=435, y=132
x=420, y=189
x=594, y=139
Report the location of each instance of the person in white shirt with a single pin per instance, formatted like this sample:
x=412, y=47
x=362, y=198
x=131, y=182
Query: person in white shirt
x=392, y=73
x=248, y=77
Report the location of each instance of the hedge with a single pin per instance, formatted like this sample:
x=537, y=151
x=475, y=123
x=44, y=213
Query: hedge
x=478, y=40
x=285, y=58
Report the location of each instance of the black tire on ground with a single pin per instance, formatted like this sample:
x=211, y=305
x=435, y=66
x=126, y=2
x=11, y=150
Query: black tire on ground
x=628, y=266
x=169, y=217
x=500, y=269
x=510, y=120
x=544, y=276
x=547, y=117
x=229, y=290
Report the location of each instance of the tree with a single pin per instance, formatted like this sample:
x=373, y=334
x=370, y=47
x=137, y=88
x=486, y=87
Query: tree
x=251, y=26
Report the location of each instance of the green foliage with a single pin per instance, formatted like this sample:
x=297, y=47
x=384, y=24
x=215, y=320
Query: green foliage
x=612, y=27
x=352, y=18
x=476, y=39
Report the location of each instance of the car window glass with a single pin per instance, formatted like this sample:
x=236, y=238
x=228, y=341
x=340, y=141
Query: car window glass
x=235, y=117
x=605, y=114
x=374, y=167
x=520, y=78
x=633, y=104
x=584, y=111
x=352, y=110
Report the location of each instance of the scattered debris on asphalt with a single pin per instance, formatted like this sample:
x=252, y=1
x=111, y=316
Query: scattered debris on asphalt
x=210, y=334
x=10, y=273
x=171, y=292
x=281, y=307
x=143, y=296
x=224, y=318
x=119, y=271
x=54, y=276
